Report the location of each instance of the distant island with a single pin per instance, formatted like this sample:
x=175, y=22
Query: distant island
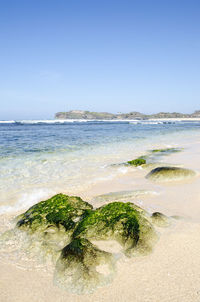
x=87, y=115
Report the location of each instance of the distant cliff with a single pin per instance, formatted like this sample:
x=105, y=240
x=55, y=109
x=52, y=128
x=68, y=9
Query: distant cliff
x=87, y=115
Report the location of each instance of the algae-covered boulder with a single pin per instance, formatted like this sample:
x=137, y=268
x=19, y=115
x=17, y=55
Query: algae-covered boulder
x=82, y=267
x=170, y=174
x=124, y=222
x=58, y=211
x=50, y=224
x=137, y=162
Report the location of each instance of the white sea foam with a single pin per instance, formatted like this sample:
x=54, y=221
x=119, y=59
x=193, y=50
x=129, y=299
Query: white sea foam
x=57, y=121
x=26, y=200
x=123, y=170
x=44, y=121
x=32, y=122
x=7, y=122
x=145, y=123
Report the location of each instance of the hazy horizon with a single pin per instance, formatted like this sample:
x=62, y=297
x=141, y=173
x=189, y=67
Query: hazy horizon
x=108, y=56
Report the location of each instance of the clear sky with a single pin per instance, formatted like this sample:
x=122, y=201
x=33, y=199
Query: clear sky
x=98, y=55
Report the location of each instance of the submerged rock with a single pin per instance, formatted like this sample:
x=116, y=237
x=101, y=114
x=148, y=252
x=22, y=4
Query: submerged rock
x=152, y=157
x=166, y=151
x=155, y=155
x=170, y=174
x=122, y=195
x=160, y=219
x=82, y=267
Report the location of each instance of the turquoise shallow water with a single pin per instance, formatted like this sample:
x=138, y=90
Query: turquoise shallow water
x=40, y=159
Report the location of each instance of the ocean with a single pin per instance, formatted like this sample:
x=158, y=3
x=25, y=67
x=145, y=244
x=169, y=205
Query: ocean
x=42, y=158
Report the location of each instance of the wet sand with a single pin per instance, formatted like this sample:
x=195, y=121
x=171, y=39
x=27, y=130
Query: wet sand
x=170, y=273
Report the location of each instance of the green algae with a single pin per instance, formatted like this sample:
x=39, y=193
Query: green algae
x=144, y=159
x=101, y=223
x=166, y=150
x=123, y=222
x=60, y=211
x=50, y=224
x=137, y=162
x=152, y=157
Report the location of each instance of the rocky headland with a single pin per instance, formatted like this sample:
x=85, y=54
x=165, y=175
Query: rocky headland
x=88, y=115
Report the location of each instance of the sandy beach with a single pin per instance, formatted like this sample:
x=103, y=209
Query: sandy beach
x=100, y=151
x=170, y=273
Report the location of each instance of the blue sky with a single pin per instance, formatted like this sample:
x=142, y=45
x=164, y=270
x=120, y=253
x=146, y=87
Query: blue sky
x=116, y=56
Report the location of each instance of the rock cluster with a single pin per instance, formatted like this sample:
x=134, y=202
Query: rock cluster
x=72, y=224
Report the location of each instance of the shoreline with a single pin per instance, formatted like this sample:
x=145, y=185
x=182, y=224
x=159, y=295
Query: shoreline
x=70, y=120
x=169, y=273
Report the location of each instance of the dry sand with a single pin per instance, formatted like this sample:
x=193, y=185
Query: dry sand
x=170, y=273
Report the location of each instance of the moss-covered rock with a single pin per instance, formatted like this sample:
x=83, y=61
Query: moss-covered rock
x=170, y=174
x=82, y=267
x=123, y=222
x=160, y=219
x=151, y=158
x=166, y=151
x=77, y=268
x=58, y=211
x=50, y=224
x=137, y=162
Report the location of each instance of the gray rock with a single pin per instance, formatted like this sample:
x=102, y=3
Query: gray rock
x=170, y=174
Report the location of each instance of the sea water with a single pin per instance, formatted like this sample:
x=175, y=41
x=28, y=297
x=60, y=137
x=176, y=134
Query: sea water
x=42, y=158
